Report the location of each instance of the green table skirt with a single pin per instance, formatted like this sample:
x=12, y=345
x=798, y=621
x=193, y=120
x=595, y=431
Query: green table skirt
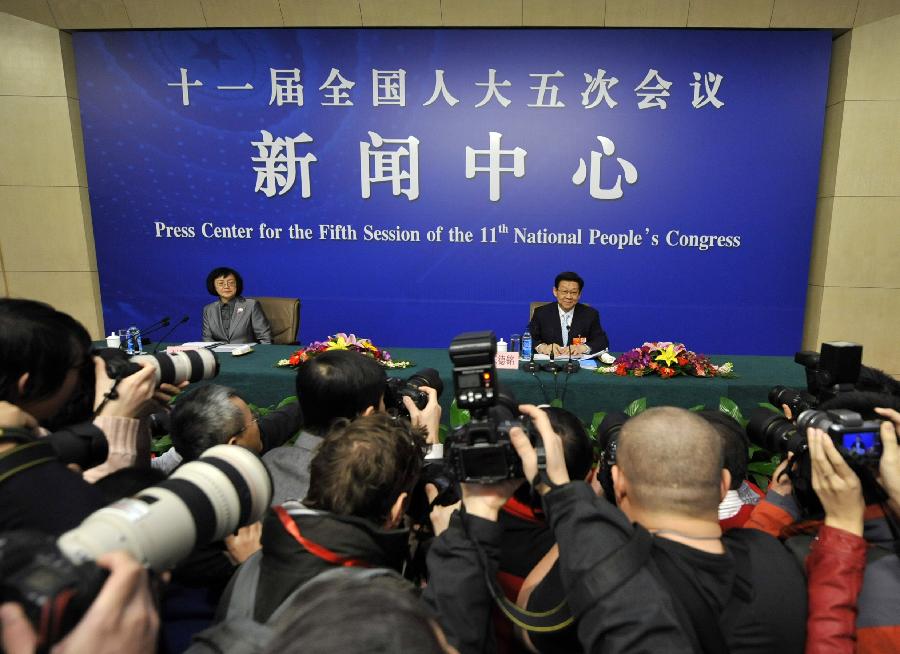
x=259, y=381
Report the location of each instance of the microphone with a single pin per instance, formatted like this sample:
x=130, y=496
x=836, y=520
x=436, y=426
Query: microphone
x=159, y=324
x=166, y=335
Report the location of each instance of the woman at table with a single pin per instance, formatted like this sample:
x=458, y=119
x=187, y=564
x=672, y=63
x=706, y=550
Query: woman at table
x=233, y=318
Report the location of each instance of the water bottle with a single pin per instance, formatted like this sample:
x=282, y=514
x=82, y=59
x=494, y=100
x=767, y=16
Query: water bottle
x=526, y=346
x=133, y=340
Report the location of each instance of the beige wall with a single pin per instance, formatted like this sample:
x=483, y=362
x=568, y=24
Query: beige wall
x=46, y=237
x=46, y=241
x=854, y=281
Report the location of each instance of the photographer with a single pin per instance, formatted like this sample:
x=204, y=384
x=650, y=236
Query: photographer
x=122, y=618
x=675, y=592
x=837, y=561
x=46, y=370
x=333, y=385
x=360, y=480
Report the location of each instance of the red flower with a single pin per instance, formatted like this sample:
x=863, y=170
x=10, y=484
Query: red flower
x=666, y=372
x=682, y=361
x=621, y=370
x=653, y=365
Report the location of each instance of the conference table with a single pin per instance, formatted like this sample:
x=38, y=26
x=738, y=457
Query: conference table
x=257, y=379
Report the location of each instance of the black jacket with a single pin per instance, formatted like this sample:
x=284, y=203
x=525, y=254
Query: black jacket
x=640, y=615
x=457, y=591
x=287, y=564
x=545, y=327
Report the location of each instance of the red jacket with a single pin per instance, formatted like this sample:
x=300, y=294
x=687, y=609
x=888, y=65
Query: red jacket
x=835, y=567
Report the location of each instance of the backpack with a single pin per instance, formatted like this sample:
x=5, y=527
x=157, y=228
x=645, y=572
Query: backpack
x=239, y=633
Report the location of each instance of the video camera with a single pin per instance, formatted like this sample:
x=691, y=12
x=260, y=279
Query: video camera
x=828, y=375
x=481, y=452
x=203, y=501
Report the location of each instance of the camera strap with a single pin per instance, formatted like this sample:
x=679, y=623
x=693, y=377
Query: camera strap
x=556, y=619
x=542, y=476
x=24, y=456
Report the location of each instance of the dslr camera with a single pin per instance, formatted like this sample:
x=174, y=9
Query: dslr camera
x=481, y=452
x=203, y=501
x=189, y=365
x=398, y=388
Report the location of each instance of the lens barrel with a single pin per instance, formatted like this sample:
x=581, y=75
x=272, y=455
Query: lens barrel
x=204, y=500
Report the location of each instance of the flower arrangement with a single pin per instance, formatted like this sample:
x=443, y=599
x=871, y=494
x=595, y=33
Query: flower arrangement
x=342, y=342
x=666, y=359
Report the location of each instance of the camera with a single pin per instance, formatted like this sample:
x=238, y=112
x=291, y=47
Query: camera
x=854, y=437
x=834, y=371
x=398, y=388
x=608, y=443
x=204, y=500
x=796, y=401
x=188, y=365
x=481, y=452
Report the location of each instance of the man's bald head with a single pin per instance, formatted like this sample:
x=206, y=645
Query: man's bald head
x=672, y=460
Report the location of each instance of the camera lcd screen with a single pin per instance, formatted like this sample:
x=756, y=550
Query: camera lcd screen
x=484, y=462
x=469, y=381
x=859, y=442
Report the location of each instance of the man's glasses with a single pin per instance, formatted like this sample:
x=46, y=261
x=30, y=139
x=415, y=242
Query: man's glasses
x=226, y=284
x=255, y=419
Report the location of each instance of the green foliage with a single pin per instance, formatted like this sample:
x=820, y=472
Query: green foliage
x=636, y=407
x=770, y=407
x=160, y=445
x=697, y=407
x=596, y=419
x=729, y=407
x=557, y=403
x=458, y=417
x=290, y=399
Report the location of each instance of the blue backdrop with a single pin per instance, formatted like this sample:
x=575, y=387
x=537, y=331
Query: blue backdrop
x=717, y=189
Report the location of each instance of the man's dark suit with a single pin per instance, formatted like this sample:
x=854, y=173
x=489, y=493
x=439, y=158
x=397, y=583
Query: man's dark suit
x=545, y=326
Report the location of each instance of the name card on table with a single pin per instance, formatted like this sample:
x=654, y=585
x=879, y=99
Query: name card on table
x=506, y=360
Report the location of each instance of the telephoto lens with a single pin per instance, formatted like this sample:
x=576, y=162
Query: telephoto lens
x=189, y=365
x=773, y=432
x=203, y=501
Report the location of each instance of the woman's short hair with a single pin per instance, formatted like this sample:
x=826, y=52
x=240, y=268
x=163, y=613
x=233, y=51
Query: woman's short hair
x=37, y=339
x=224, y=271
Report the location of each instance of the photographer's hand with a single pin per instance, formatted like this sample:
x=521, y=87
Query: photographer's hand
x=12, y=417
x=781, y=481
x=889, y=468
x=122, y=618
x=133, y=391
x=429, y=417
x=168, y=392
x=242, y=544
x=553, y=448
x=837, y=486
x=486, y=500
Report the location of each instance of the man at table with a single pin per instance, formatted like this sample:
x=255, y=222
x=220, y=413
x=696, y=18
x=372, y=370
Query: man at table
x=554, y=326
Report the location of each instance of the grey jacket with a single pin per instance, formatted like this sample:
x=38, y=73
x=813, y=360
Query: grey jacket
x=248, y=323
x=289, y=467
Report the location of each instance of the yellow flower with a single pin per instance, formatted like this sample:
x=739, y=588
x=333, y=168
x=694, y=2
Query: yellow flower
x=337, y=344
x=668, y=355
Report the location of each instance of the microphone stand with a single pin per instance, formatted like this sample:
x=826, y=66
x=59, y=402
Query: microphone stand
x=162, y=325
x=166, y=335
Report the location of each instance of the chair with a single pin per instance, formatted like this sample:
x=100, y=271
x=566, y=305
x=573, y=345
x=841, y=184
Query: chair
x=534, y=305
x=284, y=317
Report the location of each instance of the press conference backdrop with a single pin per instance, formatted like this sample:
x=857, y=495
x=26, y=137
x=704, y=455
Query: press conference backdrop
x=411, y=184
